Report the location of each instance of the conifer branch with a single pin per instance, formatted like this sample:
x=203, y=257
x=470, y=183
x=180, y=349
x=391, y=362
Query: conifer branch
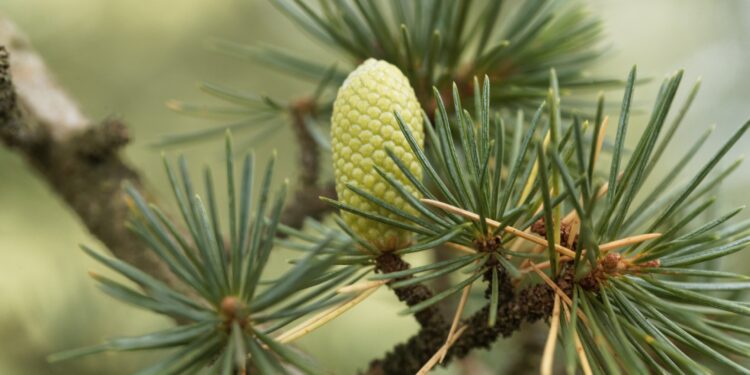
x=306, y=201
x=626, y=290
x=413, y=294
x=526, y=306
x=79, y=159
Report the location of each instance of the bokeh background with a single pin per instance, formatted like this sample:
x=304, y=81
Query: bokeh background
x=125, y=58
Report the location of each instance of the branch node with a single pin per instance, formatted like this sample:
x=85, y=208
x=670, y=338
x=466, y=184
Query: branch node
x=101, y=141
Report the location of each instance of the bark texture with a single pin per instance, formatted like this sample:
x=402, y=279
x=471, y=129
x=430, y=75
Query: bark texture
x=78, y=159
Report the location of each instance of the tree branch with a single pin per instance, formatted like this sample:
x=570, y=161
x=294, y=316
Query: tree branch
x=306, y=201
x=413, y=294
x=526, y=306
x=77, y=158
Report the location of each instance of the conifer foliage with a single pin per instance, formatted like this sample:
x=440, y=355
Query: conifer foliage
x=534, y=199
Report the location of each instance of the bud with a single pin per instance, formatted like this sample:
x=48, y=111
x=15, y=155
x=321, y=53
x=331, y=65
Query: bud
x=363, y=126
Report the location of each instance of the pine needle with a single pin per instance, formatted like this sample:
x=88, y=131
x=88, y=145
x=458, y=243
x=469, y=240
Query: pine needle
x=585, y=365
x=434, y=360
x=575, y=227
x=508, y=229
x=323, y=317
x=573, y=214
x=456, y=318
x=361, y=286
x=549, y=348
x=460, y=248
x=534, y=171
x=600, y=140
x=627, y=241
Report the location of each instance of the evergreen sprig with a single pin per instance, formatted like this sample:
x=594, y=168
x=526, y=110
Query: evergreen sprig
x=626, y=290
x=636, y=290
x=227, y=312
x=434, y=42
x=514, y=188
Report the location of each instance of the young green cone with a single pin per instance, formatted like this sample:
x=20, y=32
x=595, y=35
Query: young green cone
x=363, y=126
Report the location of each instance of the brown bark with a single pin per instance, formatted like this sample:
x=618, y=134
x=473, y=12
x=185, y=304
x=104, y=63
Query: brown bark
x=528, y=305
x=413, y=294
x=77, y=158
x=306, y=201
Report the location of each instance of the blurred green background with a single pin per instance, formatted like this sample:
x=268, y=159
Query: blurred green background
x=124, y=59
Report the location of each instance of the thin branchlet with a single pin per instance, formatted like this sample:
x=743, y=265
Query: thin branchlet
x=413, y=294
x=527, y=305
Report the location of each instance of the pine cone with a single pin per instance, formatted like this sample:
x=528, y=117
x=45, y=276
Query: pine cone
x=363, y=126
